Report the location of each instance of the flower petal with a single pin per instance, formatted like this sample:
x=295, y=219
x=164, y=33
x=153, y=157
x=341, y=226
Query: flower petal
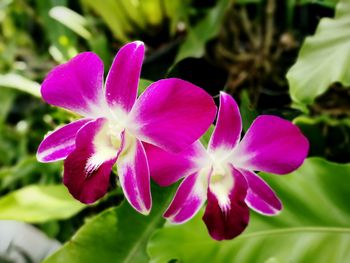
x=273, y=145
x=229, y=222
x=76, y=85
x=87, y=169
x=188, y=199
x=228, y=127
x=168, y=167
x=134, y=176
x=123, y=77
x=61, y=142
x=260, y=197
x=172, y=114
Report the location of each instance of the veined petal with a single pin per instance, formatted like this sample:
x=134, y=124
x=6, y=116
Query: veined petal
x=123, y=77
x=134, y=176
x=60, y=143
x=188, y=199
x=228, y=127
x=87, y=169
x=230, y=221
x=76, y=85
x=273, y=145
x=172, y=114
x=260, y=197
x=168, y=167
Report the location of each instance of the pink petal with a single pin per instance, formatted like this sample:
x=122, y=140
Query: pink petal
x=188, y=199
x=76, y=85
x=228, y=127
x=230, y=222
x=167, y=167
x=260, y=196
x=61, y=142
x=134, y=177
x=273, y=145
x=87, y=169
x=123, y=77
x=172, y=114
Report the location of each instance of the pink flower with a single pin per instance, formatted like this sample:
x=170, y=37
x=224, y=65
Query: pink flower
x=170, y=114
x=223, y=175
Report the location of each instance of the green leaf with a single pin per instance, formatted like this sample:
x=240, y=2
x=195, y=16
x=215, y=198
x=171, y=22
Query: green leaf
x=323, y=59
x=39, y=203
x=314, y=225
x=116, y=235
x=206, y=136
x=6, y=98
x=115, y=18
x=62, y=40
x=248, y=113
x=18, y=82
x=143, y=84
x=70, y=19
x=153, y=11
x=206, y=29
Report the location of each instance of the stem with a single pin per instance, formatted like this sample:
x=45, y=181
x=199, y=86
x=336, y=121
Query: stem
x=247, y=27
x=269, y=26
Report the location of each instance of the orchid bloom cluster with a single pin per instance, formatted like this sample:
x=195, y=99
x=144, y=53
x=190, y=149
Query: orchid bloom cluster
x=169, y=114
x=157, y=135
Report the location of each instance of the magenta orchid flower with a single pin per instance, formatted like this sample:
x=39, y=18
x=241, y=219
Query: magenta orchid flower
x=223, y=175
x=170, y=114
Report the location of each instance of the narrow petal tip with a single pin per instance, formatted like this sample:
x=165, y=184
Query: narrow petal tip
x=138, y=43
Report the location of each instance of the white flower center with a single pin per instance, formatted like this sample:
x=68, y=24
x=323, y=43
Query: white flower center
x=221, y=179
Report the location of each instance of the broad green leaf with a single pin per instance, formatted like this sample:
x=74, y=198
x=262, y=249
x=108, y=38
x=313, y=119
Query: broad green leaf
x=39, y=203
x=314, y=225
x=18, y=82
x=116, y=235
x=206, y=29
x=70, y=19
x=324, y=58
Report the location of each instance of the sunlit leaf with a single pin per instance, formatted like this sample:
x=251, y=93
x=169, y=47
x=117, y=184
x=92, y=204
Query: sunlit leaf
x=113, y=15
x=39, y=203
x=116, y=235
x=153, y=11
x=323, y=59
x=70, y=19
x=314, y=225
x=18, y=82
